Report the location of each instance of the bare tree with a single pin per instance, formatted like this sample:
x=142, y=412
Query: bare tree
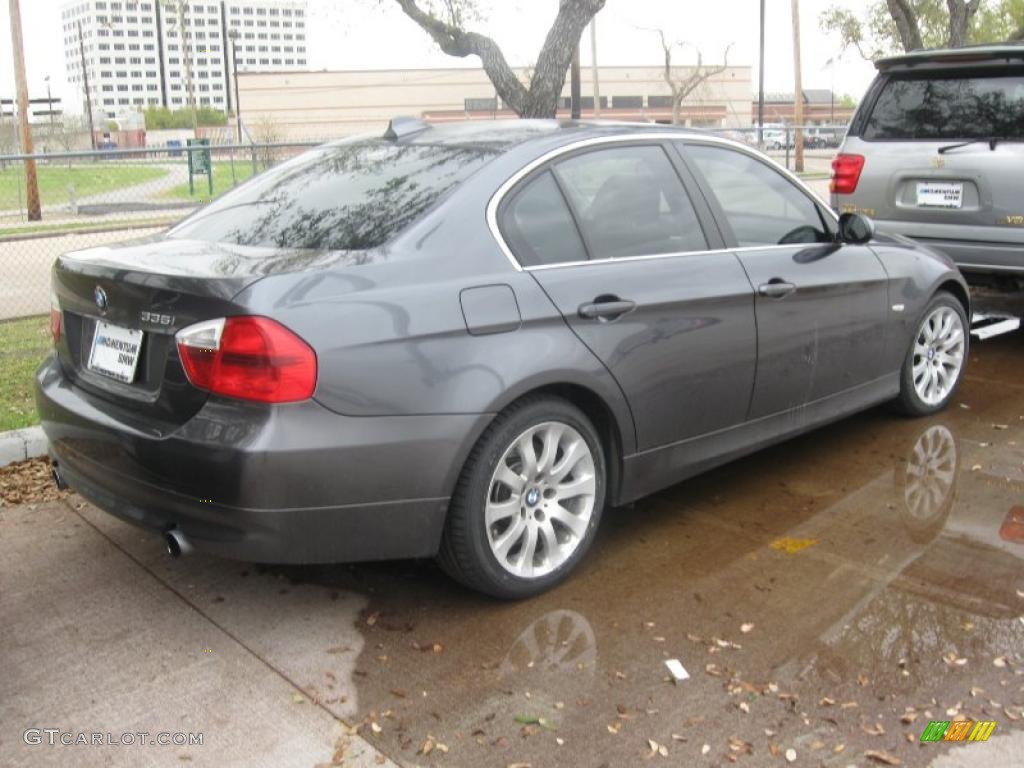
x=960, y=15
x=682, y=85
x=445, y=22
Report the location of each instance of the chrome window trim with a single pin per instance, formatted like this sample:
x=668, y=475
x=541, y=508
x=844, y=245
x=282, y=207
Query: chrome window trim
x=498, y=197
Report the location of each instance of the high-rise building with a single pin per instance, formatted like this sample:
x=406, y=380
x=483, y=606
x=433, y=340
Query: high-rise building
x=136, y=54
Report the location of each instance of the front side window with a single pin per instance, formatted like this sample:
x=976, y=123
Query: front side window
x=343, y=197
x=761, y=206
x=539, y=227
x=630, y=202
x=940, y=108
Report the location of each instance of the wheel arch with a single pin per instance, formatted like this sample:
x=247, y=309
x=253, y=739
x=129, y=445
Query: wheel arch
x=959, y=292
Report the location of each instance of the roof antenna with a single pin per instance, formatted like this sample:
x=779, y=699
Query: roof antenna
x=400, y=127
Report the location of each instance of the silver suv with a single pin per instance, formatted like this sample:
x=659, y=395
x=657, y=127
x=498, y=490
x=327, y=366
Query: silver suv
x=934, y=152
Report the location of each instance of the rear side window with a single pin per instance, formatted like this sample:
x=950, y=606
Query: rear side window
x=761, y=205
x=539, y=227
x=343, y=197
x=630, y=202
x=944, y=107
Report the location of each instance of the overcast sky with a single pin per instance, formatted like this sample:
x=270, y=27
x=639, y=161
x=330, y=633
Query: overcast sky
x=372, y=34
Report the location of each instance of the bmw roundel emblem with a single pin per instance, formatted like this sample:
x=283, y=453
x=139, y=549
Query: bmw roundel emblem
x=101, y=299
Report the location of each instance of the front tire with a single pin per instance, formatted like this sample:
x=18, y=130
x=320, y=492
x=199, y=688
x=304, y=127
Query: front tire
x=935, y=363
x=528, y=501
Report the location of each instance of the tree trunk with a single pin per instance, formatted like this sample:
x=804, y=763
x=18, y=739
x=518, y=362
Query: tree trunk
x=906, y=24
x=960, y=15
x=677, y=104
x=540, y=99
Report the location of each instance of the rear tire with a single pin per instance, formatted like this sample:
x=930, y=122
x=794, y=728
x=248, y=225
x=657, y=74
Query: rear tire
x=528, y=502
x=935, y=362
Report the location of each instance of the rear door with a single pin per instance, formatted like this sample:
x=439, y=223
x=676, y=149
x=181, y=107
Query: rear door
x=821, y=307
x=943, y=158
x=616, y=241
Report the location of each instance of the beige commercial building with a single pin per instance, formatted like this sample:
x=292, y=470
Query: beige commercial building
x=323, y=105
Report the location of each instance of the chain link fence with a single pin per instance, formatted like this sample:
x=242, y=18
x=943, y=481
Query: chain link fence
x=95, y=198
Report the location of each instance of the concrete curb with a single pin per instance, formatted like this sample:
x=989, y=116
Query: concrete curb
x=21, y=444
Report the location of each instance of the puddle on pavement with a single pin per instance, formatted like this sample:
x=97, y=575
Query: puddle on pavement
x=899, y=584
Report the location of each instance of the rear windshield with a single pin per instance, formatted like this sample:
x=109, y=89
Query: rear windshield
x=341, y=197
x=946, y=107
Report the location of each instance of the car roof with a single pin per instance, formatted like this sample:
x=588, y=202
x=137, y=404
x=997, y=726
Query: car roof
x=996, y=53
x=504, y=134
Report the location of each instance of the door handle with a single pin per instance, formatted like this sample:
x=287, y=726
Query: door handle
x=606, y=308
x=776, y=288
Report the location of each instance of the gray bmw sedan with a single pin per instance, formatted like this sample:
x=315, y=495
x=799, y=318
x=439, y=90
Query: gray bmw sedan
x=466, y=341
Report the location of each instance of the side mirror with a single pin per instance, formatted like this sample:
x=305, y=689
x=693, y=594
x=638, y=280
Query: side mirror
x=855, y=229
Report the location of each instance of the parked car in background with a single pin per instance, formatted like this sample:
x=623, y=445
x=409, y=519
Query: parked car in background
x=464, y=341
x=823, y=137
x=935, y=152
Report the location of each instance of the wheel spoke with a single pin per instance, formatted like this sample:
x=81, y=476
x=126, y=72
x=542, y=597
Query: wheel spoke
x=528, y=551
x=552, y=436
x=576, y=451
x=528, y=454
x=496, y=511
x=504, y=475
x=577, y=525
x=581, y=486
x=508, y=539
x=549, y=540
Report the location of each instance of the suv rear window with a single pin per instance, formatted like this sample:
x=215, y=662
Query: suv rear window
x=341, y=197
x=949, y=107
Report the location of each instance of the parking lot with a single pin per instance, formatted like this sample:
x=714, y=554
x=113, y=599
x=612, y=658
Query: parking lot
x=828, y=597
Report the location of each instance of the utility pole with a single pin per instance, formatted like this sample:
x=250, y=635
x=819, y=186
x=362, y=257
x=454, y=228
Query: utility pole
x=234, y=71
x=593, y=66
x=798, y=95
x=85, y=81
x=31, y=182
x=574, y=87
x=187, y=54
x=49, y=102
x=760, y=86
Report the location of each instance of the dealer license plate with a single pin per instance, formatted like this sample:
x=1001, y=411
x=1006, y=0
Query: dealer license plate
x=940, y=194
x=115, y=351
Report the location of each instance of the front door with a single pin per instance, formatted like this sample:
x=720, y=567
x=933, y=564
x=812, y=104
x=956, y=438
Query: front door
x=822, y=308
x=672, y=320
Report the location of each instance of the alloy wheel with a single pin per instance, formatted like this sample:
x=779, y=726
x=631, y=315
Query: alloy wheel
x=938, y=355
x=540, y=500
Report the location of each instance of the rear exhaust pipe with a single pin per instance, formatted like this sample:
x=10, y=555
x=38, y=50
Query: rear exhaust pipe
x=177, y=544
x=58, y=478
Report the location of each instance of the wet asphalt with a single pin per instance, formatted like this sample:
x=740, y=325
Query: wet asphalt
x=828, y=597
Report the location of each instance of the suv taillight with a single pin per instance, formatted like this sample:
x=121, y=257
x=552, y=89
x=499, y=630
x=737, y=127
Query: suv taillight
x=251, y=358
x=846, y=173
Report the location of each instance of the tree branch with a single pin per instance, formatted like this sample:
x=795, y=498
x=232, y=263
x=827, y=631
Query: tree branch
x=457, y=42
x=906, y=24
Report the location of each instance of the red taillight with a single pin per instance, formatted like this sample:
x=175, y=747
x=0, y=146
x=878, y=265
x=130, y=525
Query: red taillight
x=252, y=358
x=55, y=319
x=846, y=173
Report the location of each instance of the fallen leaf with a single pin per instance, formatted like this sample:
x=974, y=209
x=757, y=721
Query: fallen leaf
x=375, y=727
x=372, y=619
x=745, y=628
x=908, y=717
x=705, y=749
x=744, y=707
x=792, y=546
x=518, y=765
x=999, y=661
x=975, y=467
x=427, y=747
x=534, y=720
x=827, y=702
x=559, y=741
x=614, y=727
x=838, y=748
x=298, y=698
x=882, y=757
x=874, y=730
x=790, y=755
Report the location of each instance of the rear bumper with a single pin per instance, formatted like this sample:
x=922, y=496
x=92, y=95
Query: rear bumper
x=276, y=484
x=970, y=255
